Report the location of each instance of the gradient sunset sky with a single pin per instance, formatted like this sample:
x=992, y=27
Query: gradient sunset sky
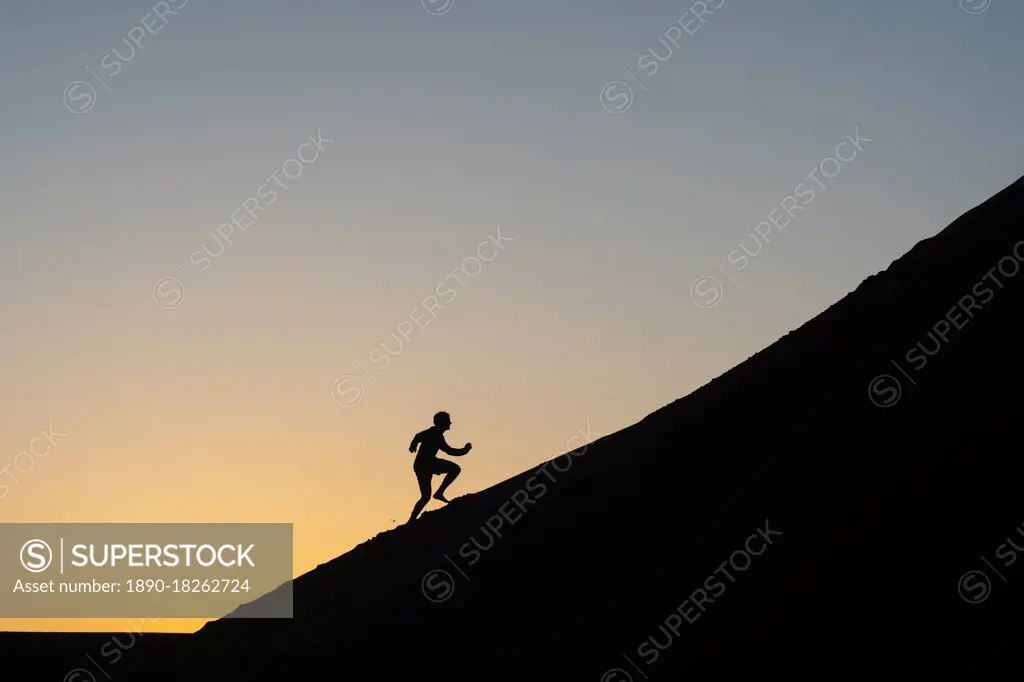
x=450, y=121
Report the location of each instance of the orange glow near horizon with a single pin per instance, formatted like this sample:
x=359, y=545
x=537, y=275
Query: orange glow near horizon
x=339, y=475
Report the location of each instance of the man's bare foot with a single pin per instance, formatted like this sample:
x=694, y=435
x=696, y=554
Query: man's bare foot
x=440, y=496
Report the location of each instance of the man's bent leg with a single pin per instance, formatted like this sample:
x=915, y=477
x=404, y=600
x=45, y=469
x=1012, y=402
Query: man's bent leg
x=450, y=471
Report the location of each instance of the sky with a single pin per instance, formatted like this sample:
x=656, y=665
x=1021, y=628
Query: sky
x=510, y=211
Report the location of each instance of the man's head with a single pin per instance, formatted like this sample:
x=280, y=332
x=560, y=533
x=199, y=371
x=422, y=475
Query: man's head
x=442, y=421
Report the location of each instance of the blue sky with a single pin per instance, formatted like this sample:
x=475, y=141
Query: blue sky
x=491, y=113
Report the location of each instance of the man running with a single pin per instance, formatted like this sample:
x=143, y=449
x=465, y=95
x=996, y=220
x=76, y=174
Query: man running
x=427, y=464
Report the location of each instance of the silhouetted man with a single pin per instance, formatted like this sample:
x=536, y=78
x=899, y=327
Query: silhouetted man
x=427, y=464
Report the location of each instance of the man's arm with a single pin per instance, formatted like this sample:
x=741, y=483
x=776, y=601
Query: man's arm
x=416, y=440
x=454, y=452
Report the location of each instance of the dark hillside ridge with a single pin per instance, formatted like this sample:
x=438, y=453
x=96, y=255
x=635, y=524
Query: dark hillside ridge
x=880, y=510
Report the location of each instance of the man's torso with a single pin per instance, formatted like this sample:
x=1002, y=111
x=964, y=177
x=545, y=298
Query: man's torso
x=429, y=446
